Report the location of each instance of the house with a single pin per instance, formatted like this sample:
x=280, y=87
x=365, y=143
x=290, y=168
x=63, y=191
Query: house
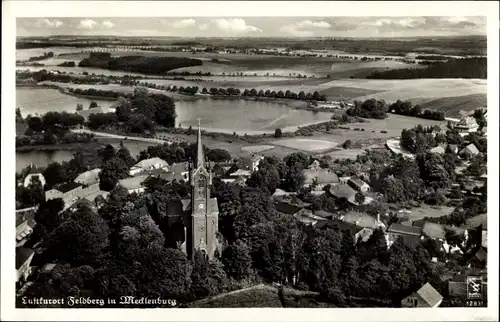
x=315, y=165
x=34, y=172
x=410, y=234
x=363, y=220
x=282, y=193
x=287, y=208
x=23, y=261
x=358, y=233
x=147, y=165
x=326, y=214
x=90, y=111
x=25, y=223
x=242, y=173
x=88, y=177
x=432, y=230
x=467, y=124
x=358, y=185
x=469, y=151
x=70, y=192
x=239, y=180
x=320, y=178
x=181, y=168
x=307, y=217
x=250, y=163
x=476, y=221
x=343, y=191
x=134, y=184
x=426, y=296
x=344, y=180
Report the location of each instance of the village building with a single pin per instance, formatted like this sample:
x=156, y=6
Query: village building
x=88, y=177
x=469, y=151
x=363, y=220
x=148, y=165
x=181, y=168
x=426, y=296
x=410, y=234
x=134, y=184
x=33, y=172
x=307, y=217
x=467, y=124
x=326, y=214
x=70, y=192
x=358, y=233
x=25, y=223
x=358, y=185
x=319, y=178
x=341, y=191
x=23, y=261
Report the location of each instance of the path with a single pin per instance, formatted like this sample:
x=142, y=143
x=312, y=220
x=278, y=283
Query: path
x=122, y=137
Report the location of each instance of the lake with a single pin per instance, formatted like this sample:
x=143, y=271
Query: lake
x=39, y=101
x=244, y=116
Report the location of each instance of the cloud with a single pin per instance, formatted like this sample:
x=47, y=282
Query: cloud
x=305, y=28
x=87, y=24
x=184, y=23
x=49, y=23
x=107, y=24
x=234, y=25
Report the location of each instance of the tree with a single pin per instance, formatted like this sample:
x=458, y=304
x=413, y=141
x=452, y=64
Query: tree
x=218, y=155
x=93, y=104
x=124, y=154
x=347, y=144
x=278, y=133
x=359, y=198
x=79, y=240
x=35, y=123
x=267, y=177
x=294, y=179
x=208, y=277
x=54, y=174
x=113, y=170
x=237, y=260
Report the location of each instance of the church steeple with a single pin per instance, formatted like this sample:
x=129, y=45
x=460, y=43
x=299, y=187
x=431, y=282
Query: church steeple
x=200, y=158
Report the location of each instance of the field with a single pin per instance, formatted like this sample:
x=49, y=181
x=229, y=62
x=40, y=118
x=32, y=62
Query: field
x=309, y=145
x=453, y=105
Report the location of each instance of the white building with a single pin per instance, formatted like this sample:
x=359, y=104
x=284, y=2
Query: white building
x=88, y=177
x=147, y=165
x=134, y=184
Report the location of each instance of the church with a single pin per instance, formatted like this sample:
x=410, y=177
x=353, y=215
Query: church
x=194, y=222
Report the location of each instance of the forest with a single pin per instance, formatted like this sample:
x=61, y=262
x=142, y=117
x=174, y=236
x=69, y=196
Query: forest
x=456, y=68
x=137, y=64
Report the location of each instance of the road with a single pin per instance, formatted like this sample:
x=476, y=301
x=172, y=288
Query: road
x=121, y=137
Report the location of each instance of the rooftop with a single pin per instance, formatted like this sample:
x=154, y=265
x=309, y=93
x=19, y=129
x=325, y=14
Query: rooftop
x=133, y=183
x=22, y=255
x=471, y=148
x=430, y=295
x=407, y=230
x=433, y=230
x=322, y=176
x=66, y=187
x=88, y=177
x=287, y=208
x=360, y=219
x=343, y=191
x=476, y=221
x=150, y=162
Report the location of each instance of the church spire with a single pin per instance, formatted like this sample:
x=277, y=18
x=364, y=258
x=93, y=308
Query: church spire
x=200, y=158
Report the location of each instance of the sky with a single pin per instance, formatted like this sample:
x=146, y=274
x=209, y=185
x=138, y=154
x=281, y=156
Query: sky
x=255, y=26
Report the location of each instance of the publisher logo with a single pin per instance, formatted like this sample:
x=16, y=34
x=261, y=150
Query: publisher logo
x=474, y=287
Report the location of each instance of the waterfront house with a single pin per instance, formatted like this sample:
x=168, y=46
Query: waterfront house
x=33, y=172
x=148, y=165
x=426, y=296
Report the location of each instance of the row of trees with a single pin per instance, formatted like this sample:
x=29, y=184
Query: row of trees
x=454, y=68
x=316, y=96
x=407, y=108
x=139, y=64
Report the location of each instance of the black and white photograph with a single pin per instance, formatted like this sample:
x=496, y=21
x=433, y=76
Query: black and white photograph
x=168, y=160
